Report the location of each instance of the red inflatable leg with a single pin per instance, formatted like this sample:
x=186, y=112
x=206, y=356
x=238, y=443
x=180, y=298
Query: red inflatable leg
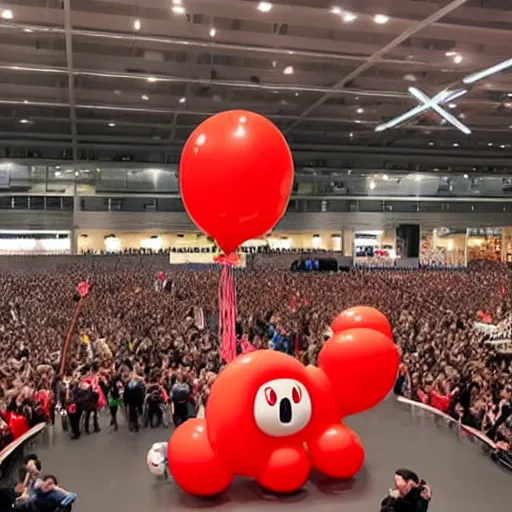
x=337, y=452
x=195, y=467
x=286, y=471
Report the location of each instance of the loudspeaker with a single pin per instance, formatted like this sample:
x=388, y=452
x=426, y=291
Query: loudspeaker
x=408, y=240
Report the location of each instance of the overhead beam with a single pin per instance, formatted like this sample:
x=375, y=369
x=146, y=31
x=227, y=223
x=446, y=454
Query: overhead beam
x=71, y=75
x=373, y=59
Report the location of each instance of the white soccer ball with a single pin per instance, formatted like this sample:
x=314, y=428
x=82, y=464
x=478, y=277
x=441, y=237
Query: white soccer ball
x=157, y=459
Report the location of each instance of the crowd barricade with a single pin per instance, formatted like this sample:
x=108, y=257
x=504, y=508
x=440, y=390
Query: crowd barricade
x=13, y=452
x=486, y=445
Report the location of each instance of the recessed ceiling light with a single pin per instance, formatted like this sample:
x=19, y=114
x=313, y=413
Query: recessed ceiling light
x=360, y=110
x=430, y=144
x=489, y=144
x=178, y=9
x=466, y=176
x=111, y=125
x=26, y=103
x=264, y=7
x=358, y=121
x=455, y=144
x=151, y=79
x=336, y=10
x=7, y=14
x=349, y=17
x=145, y=97
x=509, y=94
x=372, y=185
x=385, y=177
x=212, y=32
x=28, y=30
x=177, y=2
x=452, y=105
x=458, y=59
x=296, y=94
x=417, y=177
x=136, y=25
x=381, y=19
x=183, y=100
x=351, y=135
x=274, y=63
x=288, y=70
x=24, y=121
x=503, y=146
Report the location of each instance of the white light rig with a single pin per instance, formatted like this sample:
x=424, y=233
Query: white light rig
x=445, y=96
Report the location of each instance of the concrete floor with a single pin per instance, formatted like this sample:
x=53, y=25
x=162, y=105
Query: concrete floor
x=108, y=471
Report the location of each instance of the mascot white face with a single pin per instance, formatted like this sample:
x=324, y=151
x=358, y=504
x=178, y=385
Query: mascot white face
x=156, y=459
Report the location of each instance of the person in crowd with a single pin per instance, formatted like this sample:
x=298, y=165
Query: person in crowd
x=134, y=396
x=114, y=391
x=45, y=496
x=410, y=494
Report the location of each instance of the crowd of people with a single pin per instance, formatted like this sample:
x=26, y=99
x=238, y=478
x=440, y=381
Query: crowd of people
x=156, y=348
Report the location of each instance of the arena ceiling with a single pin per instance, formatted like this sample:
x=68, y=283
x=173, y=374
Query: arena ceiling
x=131, y=78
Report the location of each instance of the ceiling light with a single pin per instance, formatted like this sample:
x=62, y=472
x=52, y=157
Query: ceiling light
x=417, y=177
x=264, y=7
x=351, y=135
x=212, y=32
x=136, y=25
x=458, y=59
x=475, y=77
x=430, y=144
x=489, y=144
x=7, y=14
x=381, y=19
x=336, y=10
x=178, y=9
x=385, y=177
x=111, y=125
x=360, y=110
x=177, y=2
x=455, y=144
x=296, y=94
x=151, y=79
x=372, y=185
x=183, y=100
x=509, y=94
x=28, y=30
x=288, y=70
x=24, y=121
x=452, y=105
x=25, y=101
x=466, y=176
x=503, y=146
x=349, y=17
x=145, y=97
x=450, y=54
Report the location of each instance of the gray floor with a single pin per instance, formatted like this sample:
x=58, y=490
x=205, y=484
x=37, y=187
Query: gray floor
x=109, y=473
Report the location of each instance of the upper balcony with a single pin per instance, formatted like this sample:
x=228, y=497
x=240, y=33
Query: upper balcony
x=119, y=178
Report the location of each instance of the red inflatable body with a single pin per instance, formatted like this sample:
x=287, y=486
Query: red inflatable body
x=272, y=419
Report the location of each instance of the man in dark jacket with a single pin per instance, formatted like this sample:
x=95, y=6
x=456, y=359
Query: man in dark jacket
x=410, y=494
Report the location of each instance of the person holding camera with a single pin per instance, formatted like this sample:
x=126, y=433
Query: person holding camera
x=409, y=495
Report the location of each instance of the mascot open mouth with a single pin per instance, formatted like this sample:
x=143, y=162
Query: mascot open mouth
x=282, y=407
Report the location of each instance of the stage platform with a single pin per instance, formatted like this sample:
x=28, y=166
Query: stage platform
x=108, y=471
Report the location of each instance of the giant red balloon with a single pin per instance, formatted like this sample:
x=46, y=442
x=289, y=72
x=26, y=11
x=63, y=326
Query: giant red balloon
x=272, y=419
x=362, y=317
x=236, y=176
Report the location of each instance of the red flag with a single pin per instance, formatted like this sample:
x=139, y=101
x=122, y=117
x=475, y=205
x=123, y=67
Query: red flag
x=83, y=289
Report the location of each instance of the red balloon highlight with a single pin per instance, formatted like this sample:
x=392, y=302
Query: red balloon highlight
x=236, y=176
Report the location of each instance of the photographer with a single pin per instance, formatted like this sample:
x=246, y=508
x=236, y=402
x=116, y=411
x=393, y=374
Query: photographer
x=409, y=495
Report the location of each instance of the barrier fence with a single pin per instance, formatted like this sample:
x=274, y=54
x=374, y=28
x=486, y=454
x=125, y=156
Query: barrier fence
x=464, y=433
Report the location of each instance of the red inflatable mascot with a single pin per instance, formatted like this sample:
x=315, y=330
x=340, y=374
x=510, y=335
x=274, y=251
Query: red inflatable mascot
x=272, y=419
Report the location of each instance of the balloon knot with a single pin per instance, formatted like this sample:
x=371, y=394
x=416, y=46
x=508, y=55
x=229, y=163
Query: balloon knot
x=231, y=260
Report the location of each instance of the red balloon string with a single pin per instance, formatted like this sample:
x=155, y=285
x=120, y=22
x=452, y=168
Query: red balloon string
x=227, y=307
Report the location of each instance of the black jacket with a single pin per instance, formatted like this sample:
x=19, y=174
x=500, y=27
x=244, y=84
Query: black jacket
x=411, y=502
